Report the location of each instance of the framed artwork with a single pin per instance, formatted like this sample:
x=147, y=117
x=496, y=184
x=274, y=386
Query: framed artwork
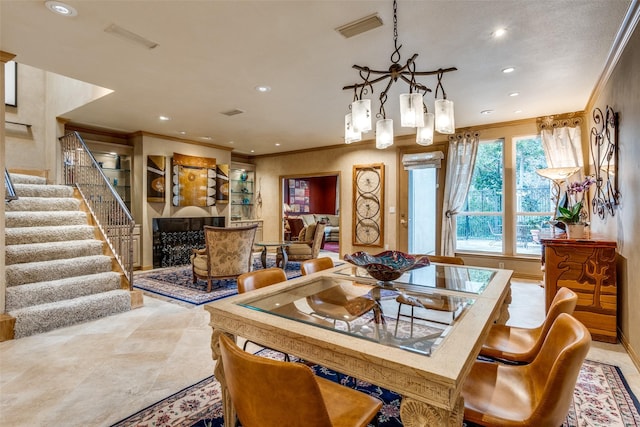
x=222, y=183
x=368, y=205
x=193, y=181
x=11, y=83
x=156, y=184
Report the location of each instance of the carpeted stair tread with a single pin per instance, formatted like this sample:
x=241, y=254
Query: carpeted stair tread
x=36, y=190
x=43, y=204
x=45, y=317
x=57, y=290
x=44, y=218
x=26, y=235
x=36, y=252
x=18, y=178
x=32, y=272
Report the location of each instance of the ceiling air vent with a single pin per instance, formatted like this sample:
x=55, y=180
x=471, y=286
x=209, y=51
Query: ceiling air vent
x=360, y=26
x=233, y=112
x=130, y=36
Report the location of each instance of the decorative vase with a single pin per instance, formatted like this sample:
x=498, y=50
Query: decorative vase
x=576, y=231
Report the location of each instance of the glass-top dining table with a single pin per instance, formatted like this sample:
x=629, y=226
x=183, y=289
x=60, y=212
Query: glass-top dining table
x=417, y=335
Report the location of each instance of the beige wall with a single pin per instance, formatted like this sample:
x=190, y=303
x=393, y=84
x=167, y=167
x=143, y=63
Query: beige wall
x=341, y=160
x=622, y=93
x=42, y=97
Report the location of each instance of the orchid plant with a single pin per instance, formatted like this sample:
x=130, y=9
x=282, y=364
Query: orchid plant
x=576, y=191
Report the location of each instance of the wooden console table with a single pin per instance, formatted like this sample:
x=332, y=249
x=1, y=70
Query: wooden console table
x=588, y=267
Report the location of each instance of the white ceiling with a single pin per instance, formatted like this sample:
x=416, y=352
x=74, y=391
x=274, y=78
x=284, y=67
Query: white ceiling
x=212, y=54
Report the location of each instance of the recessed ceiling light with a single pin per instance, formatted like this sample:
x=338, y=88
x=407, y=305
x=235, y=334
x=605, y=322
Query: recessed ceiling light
x=508, y=70
x=514, y=94
x=277, y=144
x=206, y=138
x=182, y=132
x=230, y=142
x=499, y=32
x=263, y=89
x=518, y=111
x=61, y=8
x=164, y=118
x=485, y=112
x=253, y=151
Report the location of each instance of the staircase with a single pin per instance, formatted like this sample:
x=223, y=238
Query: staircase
x=56, y=272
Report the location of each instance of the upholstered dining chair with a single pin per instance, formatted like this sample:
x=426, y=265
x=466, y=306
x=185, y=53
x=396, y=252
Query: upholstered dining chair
x=270, y=276
x=442, y=303
x=522, y=345
x=311, y=266
x=273, y=393
x=335, y=303
x=227, y=253
x=537, y=394
x=305, y=249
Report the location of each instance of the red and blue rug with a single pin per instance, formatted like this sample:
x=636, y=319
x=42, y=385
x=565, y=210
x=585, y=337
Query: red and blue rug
x=176, y=283
x=601, y=398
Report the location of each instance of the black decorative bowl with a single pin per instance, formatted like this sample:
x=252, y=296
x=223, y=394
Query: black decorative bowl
x=387, y=265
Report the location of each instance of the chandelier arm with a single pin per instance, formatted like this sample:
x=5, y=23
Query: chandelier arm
x=367, y=83
x=383, y=99
x=413, y=84
x=434, y=72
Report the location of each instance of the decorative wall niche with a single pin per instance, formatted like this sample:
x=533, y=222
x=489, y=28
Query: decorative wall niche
x=603, y=142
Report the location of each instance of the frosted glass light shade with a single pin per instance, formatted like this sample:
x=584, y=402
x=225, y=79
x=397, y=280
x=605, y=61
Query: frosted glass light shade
x=411, y=110
x=424, y=135
x=349, y=134
x=361, y=112
x=384, y=133
x=444, y=116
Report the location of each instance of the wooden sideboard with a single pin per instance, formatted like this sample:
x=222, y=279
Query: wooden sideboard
x=588, y=267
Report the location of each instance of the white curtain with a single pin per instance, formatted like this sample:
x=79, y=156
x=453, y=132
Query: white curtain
x=461, y=159
x=562, y=146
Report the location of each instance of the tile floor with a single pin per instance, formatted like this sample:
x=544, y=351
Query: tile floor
x=97, y=373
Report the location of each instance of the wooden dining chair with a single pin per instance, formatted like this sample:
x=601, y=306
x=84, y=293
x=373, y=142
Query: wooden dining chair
x=272, y=393
x=537, y=394
x=522, y=345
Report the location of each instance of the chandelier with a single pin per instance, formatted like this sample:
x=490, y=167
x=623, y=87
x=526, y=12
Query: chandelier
x=413, y=110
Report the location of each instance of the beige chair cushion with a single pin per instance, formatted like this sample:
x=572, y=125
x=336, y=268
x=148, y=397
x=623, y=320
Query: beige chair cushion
x=309, y=232
x=299, y=249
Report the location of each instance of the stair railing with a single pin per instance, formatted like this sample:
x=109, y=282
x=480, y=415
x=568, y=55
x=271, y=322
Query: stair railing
x=10, y=192
x=81, y=170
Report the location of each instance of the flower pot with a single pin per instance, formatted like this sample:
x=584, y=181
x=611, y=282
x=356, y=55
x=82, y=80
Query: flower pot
x=576, y=231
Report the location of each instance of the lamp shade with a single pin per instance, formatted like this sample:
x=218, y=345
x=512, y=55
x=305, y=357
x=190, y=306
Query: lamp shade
x=411, y=110
x=349, y=134
x=424, y=134
x=444, y=116
x=361, y=115
x=384, y=133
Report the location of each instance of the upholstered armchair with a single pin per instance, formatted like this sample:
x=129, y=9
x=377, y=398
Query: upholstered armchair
x=311, y=238
x=227, y=253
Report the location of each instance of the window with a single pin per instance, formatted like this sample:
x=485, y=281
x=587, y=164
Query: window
x=479, y=225
x=486, y=224
x=533, y=195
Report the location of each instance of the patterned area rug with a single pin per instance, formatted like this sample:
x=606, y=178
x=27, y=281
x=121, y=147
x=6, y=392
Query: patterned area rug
x=176, y=283
x=601, y=398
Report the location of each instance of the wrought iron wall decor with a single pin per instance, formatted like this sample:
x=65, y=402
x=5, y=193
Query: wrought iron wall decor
x=603, y=142
x=368, y=205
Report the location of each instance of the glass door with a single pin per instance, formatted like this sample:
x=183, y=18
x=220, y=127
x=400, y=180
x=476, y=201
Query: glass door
x=422, y=211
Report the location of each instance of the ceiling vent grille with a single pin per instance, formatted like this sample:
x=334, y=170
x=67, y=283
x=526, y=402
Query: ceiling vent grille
x=130, y=36
x=360, y=26
x=233, y=112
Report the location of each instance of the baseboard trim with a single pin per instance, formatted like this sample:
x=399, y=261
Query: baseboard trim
x=630, y=351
